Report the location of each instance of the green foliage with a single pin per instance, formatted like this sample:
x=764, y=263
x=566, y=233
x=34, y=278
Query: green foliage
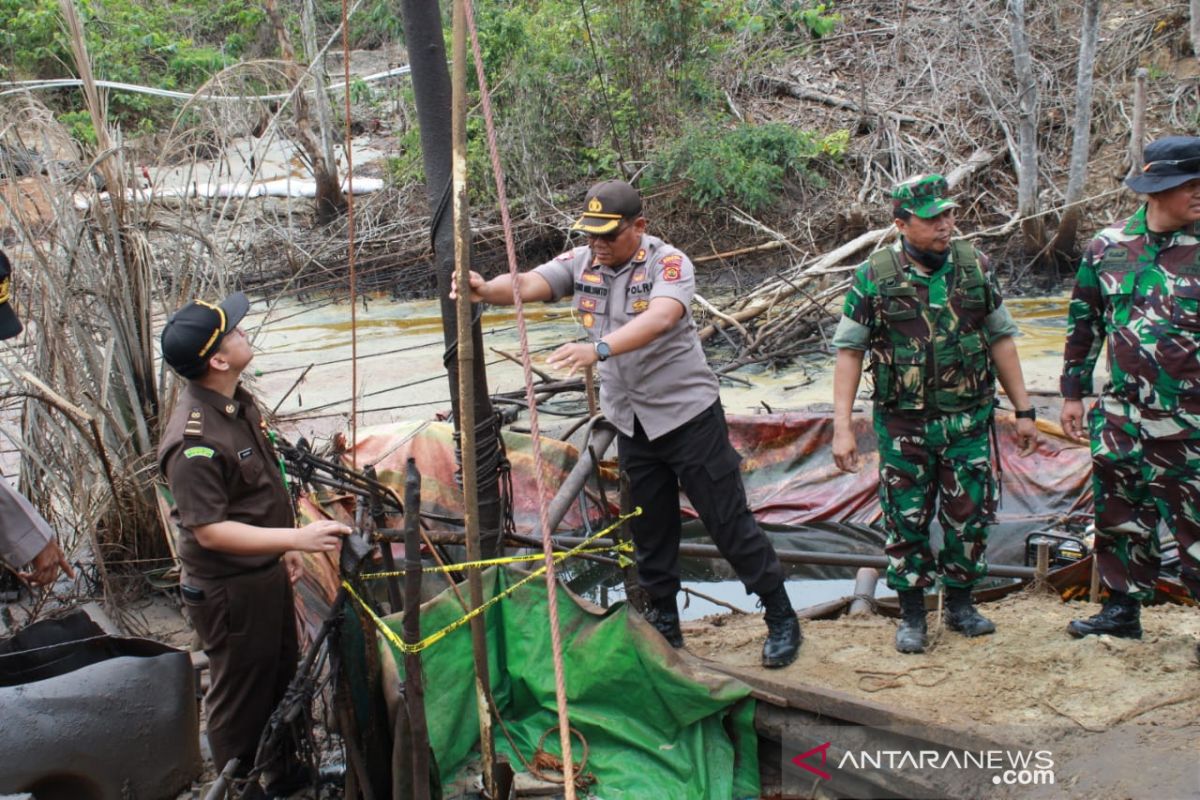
x=748, y=165
x=819, y=19
x=79, y=125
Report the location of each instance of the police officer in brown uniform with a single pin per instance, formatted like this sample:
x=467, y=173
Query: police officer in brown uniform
x=632, y=293
x=236, y=528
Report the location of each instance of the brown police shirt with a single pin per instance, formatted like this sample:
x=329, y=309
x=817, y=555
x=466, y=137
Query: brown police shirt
x=665, y=383
x=220, y=466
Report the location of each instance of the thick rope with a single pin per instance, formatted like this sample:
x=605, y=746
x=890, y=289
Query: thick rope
x=560, y=689
x=350, y=242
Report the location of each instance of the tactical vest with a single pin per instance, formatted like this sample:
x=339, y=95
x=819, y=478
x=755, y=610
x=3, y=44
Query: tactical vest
x=932, y=360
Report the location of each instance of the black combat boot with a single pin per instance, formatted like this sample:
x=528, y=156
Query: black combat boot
x=960, y=614
x=910, y=636
x=1121, y=617
x=783, y=629
x=663, y=614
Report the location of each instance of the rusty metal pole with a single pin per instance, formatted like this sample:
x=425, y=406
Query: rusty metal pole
x=466, y=405
x=414, y=690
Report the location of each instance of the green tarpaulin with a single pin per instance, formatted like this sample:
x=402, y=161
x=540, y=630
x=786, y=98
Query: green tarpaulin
x=656, y=725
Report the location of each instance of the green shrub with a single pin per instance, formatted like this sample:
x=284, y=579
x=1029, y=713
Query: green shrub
x=747, y=165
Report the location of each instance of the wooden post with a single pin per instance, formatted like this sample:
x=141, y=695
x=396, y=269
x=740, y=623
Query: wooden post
x=414, y=690
x=466, y=386
x=1043, y=563
x=1094, y=589
x=589, y=382
x=1137, y=133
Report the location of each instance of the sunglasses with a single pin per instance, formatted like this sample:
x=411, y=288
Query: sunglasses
x=1183, y=164
x=611, y=236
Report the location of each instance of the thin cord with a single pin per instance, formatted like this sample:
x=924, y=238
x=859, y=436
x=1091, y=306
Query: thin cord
x=349, y=195
x=560, y=689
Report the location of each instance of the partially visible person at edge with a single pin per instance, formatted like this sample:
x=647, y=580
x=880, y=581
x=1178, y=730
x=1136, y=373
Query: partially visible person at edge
x=929, y=312
x=632, y=293
x=1138, y=291
x=27, y=542
x=236, y=534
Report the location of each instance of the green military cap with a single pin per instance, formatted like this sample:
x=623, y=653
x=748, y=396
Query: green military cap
x=923, y=195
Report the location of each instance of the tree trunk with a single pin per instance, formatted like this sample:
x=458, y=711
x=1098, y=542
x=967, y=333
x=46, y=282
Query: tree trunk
x=1194, y=27
x=1027, y=169
x=432, y=91
x=1064, y=248
x=330, y=201
x=1137, y=133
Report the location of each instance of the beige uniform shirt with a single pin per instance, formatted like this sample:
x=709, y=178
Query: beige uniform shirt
x=666, y=382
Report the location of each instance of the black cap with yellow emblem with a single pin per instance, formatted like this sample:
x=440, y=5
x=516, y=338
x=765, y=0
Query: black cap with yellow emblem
x=194, y=333
x=10, y=326
x=607, y=204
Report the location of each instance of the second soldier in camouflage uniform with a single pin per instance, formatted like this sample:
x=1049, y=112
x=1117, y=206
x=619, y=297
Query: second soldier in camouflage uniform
x=939, y=335
x=1138, y=291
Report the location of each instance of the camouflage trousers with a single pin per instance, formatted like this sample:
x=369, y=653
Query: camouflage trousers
x=944, y=461
x=1145, y=468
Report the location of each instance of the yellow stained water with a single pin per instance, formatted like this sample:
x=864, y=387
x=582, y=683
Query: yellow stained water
x=400, y=374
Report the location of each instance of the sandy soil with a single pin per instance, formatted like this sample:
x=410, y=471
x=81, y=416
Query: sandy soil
x=1121, y=717
x=1028, y=672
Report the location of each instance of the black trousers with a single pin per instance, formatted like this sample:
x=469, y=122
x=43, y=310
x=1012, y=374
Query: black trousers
x=697, y=456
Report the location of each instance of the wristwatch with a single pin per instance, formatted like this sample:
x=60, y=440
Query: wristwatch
x=603, y=351
x=1029, y=413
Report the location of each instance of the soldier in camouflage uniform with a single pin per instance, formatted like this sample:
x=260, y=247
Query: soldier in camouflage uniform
x=1138, y=291
x=939, y=335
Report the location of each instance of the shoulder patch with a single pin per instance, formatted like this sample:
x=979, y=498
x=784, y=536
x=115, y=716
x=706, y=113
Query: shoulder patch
x=199, y=452
x=194, y=428
x=672, y=268
x=641, y=255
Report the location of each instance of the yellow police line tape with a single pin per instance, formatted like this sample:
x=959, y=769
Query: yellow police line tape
x=433, y=638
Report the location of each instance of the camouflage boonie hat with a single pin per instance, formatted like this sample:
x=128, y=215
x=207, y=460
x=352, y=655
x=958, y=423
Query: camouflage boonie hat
x=923, y=196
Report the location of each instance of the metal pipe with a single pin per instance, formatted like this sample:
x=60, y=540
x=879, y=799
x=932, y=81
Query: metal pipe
x=864, y=592
x=786, y=556
x=414, y=690
x=577, y=478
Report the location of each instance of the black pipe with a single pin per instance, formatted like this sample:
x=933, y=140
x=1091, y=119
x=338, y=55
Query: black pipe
x=422, y=22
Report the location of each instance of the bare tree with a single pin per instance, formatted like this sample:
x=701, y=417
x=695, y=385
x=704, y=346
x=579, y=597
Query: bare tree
x=330, y=201
x=1027, y=155
x=1194, y=27
x=1063, y=248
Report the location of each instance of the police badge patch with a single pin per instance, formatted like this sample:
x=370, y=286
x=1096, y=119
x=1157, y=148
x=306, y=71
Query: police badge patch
x=672, y=268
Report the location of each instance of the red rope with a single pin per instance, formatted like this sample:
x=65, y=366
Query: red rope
x=560, y=691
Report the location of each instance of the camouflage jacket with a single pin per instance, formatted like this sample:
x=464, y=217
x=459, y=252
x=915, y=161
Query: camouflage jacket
x=1140, y=293
x=929, y=336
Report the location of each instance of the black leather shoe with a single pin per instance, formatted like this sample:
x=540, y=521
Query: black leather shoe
x=663, y=614
x=911, y=635
x=1121, y=616
x=783, y=629
x=961, y=615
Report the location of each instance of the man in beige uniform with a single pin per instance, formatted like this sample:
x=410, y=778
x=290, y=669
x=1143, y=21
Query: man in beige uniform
x=235, y=520
x=632, y=293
